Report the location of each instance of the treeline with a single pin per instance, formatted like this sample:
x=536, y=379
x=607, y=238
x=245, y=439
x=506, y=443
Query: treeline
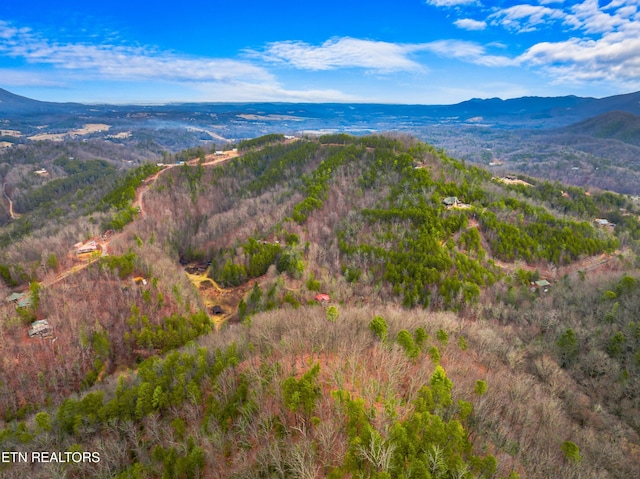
x=260, y=141
x=254, y=259
x=271, y=166
x=93, y=186
x=13, y=275
x=43, y=153
x=289, y=165
x=316, y=185
x=122, y=196
x=540, y=236
x=124, y=191
x=81, y=174
x=369, y=141
x=419, y=265
x=569, y=199
x=173, y=332
x=190, y=154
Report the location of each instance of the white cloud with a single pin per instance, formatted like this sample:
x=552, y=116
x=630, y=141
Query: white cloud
x=593, y=19
x=6, y=31
x=375, y=56
x=168, y=75
x=613, y=58
x=470, y=24
x=466, y=51
x=587, y=15
x=450, y=3
x=627, y=12
x=248, y=92
x=344, y=53
x=621, y=3
x=118, y=62
x=605, y=48
x=526, y=18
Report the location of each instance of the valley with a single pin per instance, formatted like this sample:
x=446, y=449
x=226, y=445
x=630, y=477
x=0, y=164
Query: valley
x=568, y=139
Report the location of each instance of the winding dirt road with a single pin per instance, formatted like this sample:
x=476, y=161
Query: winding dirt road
x=210, y=160
x=12, y=214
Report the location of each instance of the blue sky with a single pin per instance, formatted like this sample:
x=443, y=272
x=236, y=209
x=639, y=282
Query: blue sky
x=402, y=51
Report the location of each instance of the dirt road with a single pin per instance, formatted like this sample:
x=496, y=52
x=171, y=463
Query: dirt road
x=12, y=214
x=209, y=160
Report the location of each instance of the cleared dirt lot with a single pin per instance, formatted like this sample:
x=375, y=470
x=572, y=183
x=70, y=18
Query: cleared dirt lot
x=87, y=129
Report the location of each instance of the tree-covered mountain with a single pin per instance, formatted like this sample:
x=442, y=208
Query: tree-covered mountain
x=390, y=311
x=614, y=125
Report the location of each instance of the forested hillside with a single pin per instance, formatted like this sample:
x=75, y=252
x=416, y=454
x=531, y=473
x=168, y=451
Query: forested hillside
x=387, y=311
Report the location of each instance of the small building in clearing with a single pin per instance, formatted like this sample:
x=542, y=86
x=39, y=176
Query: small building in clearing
x=604, y=223
x=40, y=328
x=15, y=297
x=451, y=201
x=26, y=301
x=22, y=300
x=89, y=247
x=541, y=284
x=322, y=298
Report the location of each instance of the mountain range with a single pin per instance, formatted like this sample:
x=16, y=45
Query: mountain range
x=525, y=111
x=579, y=140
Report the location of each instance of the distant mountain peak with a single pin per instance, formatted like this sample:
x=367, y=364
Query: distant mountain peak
x=20, y=105
x=12, y=103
